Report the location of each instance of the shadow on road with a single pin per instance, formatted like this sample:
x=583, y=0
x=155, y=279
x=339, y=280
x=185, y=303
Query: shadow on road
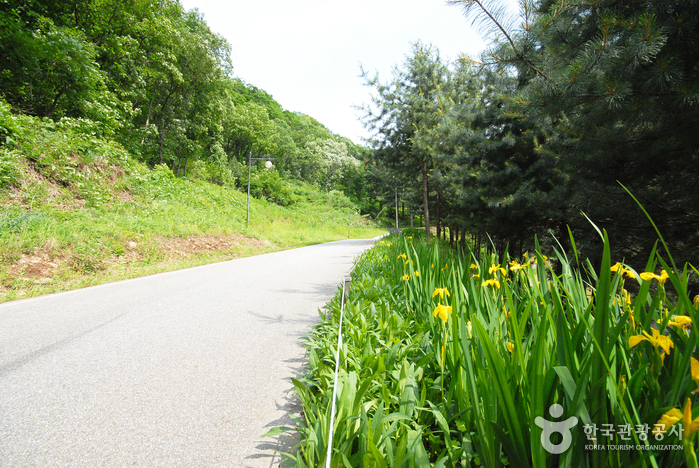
x=291, y=405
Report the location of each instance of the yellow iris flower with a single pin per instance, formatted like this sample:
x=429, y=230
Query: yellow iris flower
x=442, y=311
x=649, y=275
x=442, y=292
x=689, y=426
x=405, y=277
x=510, y=346
x=543, y=256
x=626, y=296
x=495, y=268
x=515, y=265
x=491, y=282
x=656, y=340
x=403, y=256
x=681, y=321
x=632, y=319
x=622, y=270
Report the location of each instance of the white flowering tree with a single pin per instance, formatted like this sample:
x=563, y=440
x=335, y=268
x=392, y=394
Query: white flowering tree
x=331, y=160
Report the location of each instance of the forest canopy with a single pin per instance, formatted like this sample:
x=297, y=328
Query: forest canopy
x=156, y=79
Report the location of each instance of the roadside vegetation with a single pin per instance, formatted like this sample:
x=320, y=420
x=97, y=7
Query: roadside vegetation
x=78, y=210
x=124, y=146
x=451, y=360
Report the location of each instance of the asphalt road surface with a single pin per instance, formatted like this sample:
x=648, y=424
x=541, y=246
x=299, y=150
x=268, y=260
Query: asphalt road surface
x=180, y=369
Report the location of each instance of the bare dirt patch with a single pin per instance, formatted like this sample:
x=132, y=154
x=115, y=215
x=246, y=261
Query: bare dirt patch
x=124, y=196
x=37, y=268
x=50, y=269
x=187, y=247
x=35, y=187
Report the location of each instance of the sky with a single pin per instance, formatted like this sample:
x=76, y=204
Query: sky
x=308, y=54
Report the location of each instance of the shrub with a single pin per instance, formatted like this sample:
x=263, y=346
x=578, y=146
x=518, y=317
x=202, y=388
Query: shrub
x=339, y=200
x=268, y=184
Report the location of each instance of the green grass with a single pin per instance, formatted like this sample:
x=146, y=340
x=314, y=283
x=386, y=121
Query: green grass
x=466, y=391
x=77, y=210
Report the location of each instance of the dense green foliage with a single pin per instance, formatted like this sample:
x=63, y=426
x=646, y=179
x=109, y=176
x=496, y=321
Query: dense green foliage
x=155, y=79
x=450, y=361
x=574, y=102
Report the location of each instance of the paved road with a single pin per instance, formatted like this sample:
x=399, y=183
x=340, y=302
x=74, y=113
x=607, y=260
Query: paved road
x=181, y=369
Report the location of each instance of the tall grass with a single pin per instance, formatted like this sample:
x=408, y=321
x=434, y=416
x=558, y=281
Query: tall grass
x=452, y=361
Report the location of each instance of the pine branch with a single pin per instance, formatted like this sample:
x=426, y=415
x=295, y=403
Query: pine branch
x=492, y=17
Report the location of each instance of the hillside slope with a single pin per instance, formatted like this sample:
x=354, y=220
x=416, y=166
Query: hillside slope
x=76, y=209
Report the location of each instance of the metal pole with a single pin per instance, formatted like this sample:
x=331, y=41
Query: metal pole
x=247, y=214
x=345, y=296
x=396, y=191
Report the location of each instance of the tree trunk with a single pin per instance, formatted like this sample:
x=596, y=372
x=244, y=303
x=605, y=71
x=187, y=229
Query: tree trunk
x=438, y=219
x=426, y=201
x=396, y=192
x=55, y=102
x=145, y=129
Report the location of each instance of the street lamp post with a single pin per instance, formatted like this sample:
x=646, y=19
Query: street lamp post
x=396, y=191
x=268, y=164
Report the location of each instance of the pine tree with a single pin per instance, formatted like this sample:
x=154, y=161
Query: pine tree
x=614, y=87
x=404, y=113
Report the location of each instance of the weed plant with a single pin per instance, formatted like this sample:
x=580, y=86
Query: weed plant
x=453, y=361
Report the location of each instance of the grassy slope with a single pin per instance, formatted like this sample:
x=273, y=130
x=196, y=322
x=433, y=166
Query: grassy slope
x=77, y=210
